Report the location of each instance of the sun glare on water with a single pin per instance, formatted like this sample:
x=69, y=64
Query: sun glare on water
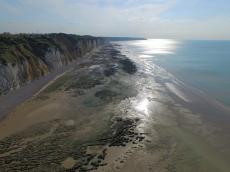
x=142, y=107
x=152, y=47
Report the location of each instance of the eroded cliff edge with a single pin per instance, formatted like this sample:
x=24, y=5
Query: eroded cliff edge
x=25, y=57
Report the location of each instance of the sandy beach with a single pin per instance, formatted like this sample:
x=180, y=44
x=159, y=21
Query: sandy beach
x=15, y=97
x=108, y=113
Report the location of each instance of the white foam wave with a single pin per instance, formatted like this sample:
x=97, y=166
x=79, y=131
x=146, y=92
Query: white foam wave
x=177, y=92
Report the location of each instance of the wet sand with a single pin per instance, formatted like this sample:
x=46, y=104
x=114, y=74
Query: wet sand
x=110, y=114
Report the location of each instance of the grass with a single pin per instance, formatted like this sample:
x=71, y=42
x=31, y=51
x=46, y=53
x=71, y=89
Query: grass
x=84, y=82
x=58, y=84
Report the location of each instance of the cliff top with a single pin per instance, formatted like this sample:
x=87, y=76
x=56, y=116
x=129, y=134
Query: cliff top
x=14, y=46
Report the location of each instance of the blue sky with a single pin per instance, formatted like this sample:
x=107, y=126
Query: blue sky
x=182, y=19
x=199, y=9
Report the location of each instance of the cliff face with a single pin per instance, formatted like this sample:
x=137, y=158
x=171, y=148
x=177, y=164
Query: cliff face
x=24, y=57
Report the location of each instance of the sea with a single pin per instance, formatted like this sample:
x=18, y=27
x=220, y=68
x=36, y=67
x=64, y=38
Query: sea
x=201, y=64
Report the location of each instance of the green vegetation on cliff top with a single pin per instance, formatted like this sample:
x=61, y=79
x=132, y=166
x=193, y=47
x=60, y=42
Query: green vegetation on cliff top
x=14, y=48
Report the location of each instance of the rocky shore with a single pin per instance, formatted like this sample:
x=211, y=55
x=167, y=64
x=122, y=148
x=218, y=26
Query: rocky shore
x=110, y=113
x=87, y=127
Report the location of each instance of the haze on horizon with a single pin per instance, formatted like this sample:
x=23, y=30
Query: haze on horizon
x=181, y=19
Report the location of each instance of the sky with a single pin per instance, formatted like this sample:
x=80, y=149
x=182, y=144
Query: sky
x=178, y=19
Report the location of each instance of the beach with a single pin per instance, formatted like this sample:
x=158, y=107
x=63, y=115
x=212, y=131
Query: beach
x=113, y=112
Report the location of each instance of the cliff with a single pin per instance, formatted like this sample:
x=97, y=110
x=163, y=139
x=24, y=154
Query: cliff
x=25, y=57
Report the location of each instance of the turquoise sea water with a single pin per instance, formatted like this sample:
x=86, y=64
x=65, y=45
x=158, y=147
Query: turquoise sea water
x=200, y=63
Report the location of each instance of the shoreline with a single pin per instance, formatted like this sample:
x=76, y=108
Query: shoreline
x=185, y=92
x=193, y=114
x=106, y=115
x=72, y=115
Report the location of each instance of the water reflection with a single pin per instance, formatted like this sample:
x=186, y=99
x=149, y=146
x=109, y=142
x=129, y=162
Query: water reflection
x=148, y=85
x=144, y=56
x=144, y=51
x=156, y=46
x=142, y=107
